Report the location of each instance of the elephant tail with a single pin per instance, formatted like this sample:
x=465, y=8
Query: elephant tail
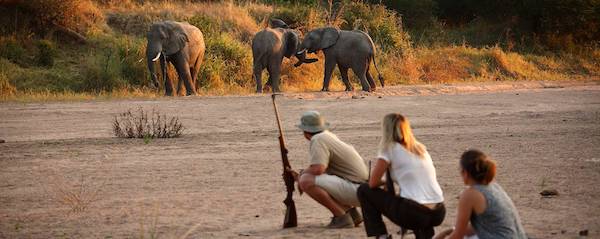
x=379, y=76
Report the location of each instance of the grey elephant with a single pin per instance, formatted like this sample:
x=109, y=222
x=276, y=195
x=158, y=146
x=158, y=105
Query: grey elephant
x=346, y=49
x=182, y=45
x=269, y=47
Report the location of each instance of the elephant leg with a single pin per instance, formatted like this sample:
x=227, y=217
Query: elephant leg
x=344, y=74
x=194, y=70
x=164, y=65
x=183, y=70
x=274, y=69
x=257, y=72
x=329, y=66
x=370, y=80
x=179, y=86
x=360, y=70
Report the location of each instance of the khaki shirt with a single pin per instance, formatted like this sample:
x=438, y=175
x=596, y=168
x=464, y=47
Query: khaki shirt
x=341, y=159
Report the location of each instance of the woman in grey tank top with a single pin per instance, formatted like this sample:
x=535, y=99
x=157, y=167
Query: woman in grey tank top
x=484, y=208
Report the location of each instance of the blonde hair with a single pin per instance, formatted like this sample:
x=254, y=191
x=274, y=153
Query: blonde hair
x=396, y=129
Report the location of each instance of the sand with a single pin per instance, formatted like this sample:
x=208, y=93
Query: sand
x=64, y=175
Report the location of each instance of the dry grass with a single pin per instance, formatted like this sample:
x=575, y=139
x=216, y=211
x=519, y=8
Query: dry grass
x=40, y=96
x=139, y=125
x=76, y=194
x=234, y=18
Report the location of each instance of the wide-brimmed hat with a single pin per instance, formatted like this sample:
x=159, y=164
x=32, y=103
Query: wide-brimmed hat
x=313, y=122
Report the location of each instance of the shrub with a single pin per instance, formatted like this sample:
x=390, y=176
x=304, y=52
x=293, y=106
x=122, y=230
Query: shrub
x=302, y=17
x=77, y=15
x=131, y=52
x=139, y=125
x=13, y=51
x=232, y=58
x=45, y=54
x=210, y=27
x=101, y=72
x=383, y=25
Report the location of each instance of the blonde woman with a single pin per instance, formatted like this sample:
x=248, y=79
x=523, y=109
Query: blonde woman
x=419, y=207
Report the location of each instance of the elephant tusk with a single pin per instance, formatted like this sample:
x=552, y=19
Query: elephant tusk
x=301, y=52
x=157, y=56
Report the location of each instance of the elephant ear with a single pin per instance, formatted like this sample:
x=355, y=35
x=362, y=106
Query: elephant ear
x=176, y=40
x=329, y=36
x=291, y=43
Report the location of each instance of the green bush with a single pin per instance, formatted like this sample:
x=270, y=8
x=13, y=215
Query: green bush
x=100, y=72
x=210, y=27
x=383, y=25
x=45, y=54
x=300, y=16
x=232, y=59
x=13, y=51
x=131, y=52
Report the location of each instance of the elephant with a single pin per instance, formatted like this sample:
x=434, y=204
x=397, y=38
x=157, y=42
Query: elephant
x=182, y=45
x=346, y=49
x=269, y=46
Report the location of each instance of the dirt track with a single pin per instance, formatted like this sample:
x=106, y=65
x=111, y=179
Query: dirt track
x=222, y=178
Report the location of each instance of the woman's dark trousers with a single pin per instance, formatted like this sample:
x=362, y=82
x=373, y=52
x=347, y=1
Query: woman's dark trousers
x=403, y=212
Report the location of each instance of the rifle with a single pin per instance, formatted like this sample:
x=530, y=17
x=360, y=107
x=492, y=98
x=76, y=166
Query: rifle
x=290, y=219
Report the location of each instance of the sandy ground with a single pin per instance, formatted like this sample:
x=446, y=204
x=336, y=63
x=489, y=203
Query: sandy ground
x=63, y=174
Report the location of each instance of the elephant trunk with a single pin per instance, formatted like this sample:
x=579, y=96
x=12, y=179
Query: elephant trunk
x=301, y=55
x=153, y=55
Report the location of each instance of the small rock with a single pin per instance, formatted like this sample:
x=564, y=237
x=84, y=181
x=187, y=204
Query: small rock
x=256, y=215
x=517, y=94
x=355, y=97
x=549, y=193
x=362, y=97
x=2, y=141
x=300, y=98
x=563, y=231
x=379, y=97
x=583, y=233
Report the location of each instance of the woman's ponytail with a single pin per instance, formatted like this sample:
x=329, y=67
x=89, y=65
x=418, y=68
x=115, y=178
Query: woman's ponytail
x=479, y=166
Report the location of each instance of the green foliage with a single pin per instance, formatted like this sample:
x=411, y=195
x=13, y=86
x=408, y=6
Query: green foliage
x=13, y=51
x=228, y=57
x=303, y=17
x=210, y=27
x=131, y=52
x=46, y=53
x=383, y=25
x=100, y=72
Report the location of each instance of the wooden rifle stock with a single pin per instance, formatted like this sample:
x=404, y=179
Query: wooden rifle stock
x=290, y=219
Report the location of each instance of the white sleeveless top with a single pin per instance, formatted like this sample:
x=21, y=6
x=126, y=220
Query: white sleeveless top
x=415, y=175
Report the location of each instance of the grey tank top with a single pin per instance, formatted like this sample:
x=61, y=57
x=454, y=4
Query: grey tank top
x=500, y=218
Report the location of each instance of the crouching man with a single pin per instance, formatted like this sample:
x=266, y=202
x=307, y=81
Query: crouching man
x=335, y=172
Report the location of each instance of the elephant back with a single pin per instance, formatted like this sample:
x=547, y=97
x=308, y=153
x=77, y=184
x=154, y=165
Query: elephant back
x=266, y=39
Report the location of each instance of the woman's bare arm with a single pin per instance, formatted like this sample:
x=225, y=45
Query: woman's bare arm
x=377, y=172
x=466, y=202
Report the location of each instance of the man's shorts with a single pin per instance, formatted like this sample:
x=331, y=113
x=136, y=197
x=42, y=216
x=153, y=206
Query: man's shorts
x=339, y=189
